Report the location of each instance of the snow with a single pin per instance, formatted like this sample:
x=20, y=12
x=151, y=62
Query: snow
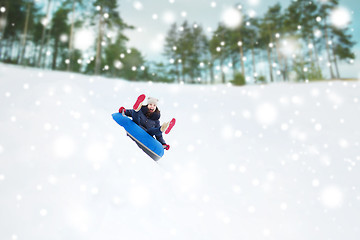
x=278, y=161
x=231, y=17
x=84, y=39
x=340, y=17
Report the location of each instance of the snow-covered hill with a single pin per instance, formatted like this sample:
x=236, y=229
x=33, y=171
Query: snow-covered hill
x=278, y=161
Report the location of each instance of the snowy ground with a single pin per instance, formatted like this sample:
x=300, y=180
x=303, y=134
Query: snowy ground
x=279, y=161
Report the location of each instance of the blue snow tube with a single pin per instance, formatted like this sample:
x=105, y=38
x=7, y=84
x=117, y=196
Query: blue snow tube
x=147, y=143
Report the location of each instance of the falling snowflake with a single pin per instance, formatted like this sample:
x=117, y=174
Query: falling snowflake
x=52, y=180
x=289, y=47
x=343, y=143
x=43, y=212
x=266, y=232
x=94, y=191
x=340, y=17
x=227, y=132
x=47, y=126
x=251, y=209
x=318, y=127
x=64, y=146
x=266, y=113
x=297, y=100
x=231, y=18
x=196, y=118
x=97, y=153
x=283, y=206
x=253, y=2
x=315, y=183
x=84, y=39
x=190, y=148
x=138, y=5
x=169, y=17
x=331, y=197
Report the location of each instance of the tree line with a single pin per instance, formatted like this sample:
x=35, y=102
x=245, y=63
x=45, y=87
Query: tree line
x=289, y=43
x=43, y=37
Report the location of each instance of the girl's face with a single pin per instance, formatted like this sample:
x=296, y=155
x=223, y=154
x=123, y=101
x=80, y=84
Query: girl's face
x=151, y=107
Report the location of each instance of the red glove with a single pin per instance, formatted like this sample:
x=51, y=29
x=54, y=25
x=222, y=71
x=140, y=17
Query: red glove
x=122, y=109
x=166, y=146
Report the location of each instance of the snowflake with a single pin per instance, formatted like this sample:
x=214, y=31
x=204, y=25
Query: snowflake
x=340, y=17
x=43, y=212
x=266, y=113
x=283, y=206
x=84, y=39
x=64, y=146
x=253, y=2
x=343, y=143
x=138, y=5
x=227, y=132
x=169, y=17
x=47, y=126
x=331, y=197
x=315, y=183
x=232, y=18
x=251, y=209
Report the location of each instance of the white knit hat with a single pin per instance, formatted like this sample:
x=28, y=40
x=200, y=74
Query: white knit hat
x=152, y=100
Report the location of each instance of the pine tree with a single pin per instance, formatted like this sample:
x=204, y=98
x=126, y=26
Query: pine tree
x=32, y=13
x=43, y=35
x=72, y=4
x=341, y=45
x=271, y=24
x=184, y=49
x=219, y=45
x=196, y=52
x=133, y=62
x=59, y=27
x=14, y=19
x=324, y=11
x=308, y=24
x=252, y=31
x=108, y=18
x=171, y=51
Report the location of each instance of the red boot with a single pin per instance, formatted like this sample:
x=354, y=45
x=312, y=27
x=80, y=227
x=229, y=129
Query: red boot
x=166, y=127
x=138, y=104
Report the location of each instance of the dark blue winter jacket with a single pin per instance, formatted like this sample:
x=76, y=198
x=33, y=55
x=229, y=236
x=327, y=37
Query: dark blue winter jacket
x=148, y=120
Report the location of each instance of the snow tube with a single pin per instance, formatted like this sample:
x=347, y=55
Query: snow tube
x=147, y=143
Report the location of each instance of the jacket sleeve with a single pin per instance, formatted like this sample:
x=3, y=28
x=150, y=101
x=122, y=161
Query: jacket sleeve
x=128, y=112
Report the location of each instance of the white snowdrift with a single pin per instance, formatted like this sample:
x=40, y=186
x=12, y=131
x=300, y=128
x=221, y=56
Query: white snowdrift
x=279, y=161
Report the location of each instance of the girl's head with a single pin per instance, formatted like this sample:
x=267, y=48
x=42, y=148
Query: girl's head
x=152, y=104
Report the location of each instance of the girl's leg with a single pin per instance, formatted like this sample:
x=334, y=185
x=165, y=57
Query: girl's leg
x=157, y=133
x=154, y=131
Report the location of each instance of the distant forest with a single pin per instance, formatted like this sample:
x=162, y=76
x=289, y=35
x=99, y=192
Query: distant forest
x=297, y=43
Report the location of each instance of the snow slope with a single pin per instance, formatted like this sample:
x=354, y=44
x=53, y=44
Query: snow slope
x=279, y=161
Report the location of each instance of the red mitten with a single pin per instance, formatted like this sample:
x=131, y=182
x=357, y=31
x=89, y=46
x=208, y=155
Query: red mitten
x=166, y=146
x=122, y=109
